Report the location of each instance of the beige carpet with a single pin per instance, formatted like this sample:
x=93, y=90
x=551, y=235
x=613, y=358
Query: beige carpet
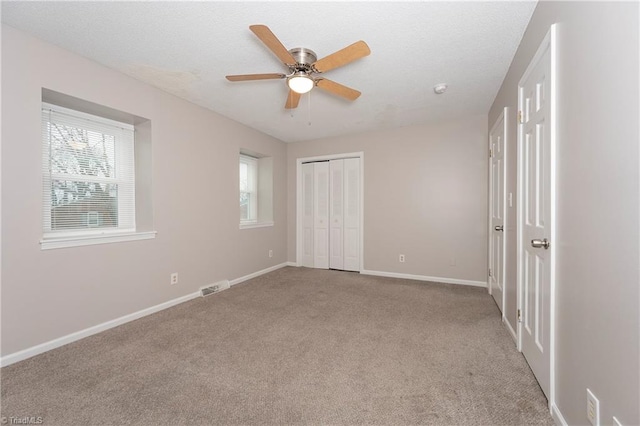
x=296, y=346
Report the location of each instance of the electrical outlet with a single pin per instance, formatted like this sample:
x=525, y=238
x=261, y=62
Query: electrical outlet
x=593, y=408
x=616, y=422
x=174, y=278
x=401, y=258
x=270, y=253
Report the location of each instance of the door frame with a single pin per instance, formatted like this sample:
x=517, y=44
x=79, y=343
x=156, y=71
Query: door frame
x=504, y=116
x=548, y=43
x=299, y=205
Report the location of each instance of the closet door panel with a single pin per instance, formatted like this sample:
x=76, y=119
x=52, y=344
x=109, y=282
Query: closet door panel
x=336, y=184
x=351, y=216
x=321, y=215
x=307, y=215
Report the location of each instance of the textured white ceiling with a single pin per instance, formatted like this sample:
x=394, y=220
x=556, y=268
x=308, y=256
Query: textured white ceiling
x=186, y=48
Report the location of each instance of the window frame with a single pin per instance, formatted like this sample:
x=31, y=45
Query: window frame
x=252, y=184
x=126, y=229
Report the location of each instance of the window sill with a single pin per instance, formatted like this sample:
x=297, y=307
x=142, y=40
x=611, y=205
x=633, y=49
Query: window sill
x=89, y=240
x=255, y=225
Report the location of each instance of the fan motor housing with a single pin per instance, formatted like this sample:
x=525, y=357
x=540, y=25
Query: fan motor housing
x=303, y=56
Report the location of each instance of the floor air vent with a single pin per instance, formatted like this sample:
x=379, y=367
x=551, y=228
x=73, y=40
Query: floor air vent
x=214, y=288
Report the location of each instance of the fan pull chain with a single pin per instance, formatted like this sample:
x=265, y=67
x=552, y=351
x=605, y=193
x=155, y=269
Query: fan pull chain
x=310, y=108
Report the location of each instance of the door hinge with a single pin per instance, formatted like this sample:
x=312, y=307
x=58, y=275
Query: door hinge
x=490, y=152
x=519, y=315
x=520, y=117
x=490, y=272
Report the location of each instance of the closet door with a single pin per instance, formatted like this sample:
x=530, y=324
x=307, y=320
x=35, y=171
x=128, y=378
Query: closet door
x=321, y=215
x=307, y=215
x=336, y=184
x=351, y=216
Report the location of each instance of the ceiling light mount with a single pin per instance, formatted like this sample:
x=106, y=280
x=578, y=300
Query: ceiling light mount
x=440, y=88
x=300, y=80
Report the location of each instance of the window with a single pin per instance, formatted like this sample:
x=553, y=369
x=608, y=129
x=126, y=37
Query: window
x=256, y=190
x=88, y=174
x=248, y=190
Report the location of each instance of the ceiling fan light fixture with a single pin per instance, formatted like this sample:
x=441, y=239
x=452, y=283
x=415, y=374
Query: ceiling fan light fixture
x=303, y=64
x=300, y=82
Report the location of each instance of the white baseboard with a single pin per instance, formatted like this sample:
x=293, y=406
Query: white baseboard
x=292, y=264
x=257, y=274
x=557, y=416
x=69, y=338
x=511, y=330
x=424, y=278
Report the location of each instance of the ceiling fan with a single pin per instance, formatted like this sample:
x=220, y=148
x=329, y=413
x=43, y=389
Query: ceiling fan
x=303, y=64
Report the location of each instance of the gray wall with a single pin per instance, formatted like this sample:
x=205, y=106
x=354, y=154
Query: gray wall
x=49, y=294
x=425, y=196
x=597, y=327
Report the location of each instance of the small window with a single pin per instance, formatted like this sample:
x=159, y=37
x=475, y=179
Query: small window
x=88, y=174
x=256, y=190
x=248, y=190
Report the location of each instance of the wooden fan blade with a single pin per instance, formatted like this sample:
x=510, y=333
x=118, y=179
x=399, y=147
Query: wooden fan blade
x=292, y=100
x=271, y=41
x=357, y=50
x=338, y=89
x=247, y=77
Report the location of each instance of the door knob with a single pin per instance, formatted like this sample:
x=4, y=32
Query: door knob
x=544, y=243
x=499, y=228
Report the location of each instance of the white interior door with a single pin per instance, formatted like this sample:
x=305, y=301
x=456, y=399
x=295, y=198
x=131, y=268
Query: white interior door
x=336, y=240
x=352, y=214
x=321, y=215
x=307, y=215
x=536, y=213
x=329, y=212
x=497, y=198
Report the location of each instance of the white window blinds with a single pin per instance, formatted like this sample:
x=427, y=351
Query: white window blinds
x=248, y=189
x=88, y=174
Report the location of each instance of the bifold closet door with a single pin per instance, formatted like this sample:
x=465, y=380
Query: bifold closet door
x=336, y=246
x=351, y=214
x=331, y=214
x=321, y=215
x=307, y=215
